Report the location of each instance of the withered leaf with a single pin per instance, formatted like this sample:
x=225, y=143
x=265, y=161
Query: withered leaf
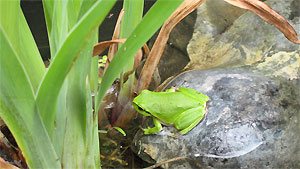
x=269, y=15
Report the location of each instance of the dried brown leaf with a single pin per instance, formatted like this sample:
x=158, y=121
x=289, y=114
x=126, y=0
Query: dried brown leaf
x=6, y=165
x=114, y=47
x=156, y=52
x=269, y=15
x=100, y=47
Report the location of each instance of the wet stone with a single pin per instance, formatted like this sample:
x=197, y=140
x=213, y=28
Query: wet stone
x=252, y=121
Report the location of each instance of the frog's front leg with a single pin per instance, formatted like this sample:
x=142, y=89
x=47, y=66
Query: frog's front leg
x=152, y=130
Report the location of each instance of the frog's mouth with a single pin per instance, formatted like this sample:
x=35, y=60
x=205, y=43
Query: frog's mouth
x=140, y=110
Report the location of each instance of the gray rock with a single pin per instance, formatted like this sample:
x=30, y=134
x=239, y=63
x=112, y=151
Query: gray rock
x=252, y=121
x=214, y=17
x=233, y=38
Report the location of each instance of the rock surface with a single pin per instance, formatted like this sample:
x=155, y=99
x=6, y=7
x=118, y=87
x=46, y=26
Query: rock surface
x=235, y=38
x=252, y=121
x=253, y=116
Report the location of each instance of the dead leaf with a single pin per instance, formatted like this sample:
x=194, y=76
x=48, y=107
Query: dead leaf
x=6, y=165
x=114, y=47
x=269, y=15
x=157, y=50
x=100, y=47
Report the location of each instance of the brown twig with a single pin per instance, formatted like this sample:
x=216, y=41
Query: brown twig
x=151, y=63
x=165, y=162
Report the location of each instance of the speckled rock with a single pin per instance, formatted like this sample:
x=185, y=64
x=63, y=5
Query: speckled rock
x=281, y=64
x=252, y=121
x=244, y=39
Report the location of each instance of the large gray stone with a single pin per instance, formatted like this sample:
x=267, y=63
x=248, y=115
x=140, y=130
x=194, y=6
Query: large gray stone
x=252, y=121
x=254, y=112
x=233, y=38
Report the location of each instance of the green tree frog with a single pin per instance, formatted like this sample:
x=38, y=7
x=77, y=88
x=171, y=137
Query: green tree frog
x=183, y=108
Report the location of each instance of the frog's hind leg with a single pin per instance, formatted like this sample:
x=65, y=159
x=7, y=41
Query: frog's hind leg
x=189, y=119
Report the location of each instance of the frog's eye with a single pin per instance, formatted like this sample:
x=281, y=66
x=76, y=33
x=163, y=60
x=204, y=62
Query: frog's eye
x=135, y=94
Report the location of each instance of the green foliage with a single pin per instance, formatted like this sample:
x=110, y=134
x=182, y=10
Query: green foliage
x=132, y=17
x=102, y=61
x=49, y=111
x=144, y=30
x=120, y=130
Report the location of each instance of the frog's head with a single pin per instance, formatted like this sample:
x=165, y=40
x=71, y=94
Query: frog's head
x=139, y=101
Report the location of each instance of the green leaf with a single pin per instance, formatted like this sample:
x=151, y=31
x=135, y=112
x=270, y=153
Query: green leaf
x=133, y=13
x=94, y=75
x=17, y=32
x=120, y=130
x=19, y=112
x=21, y=70
x=77, y=120
x=74, y=114
x=154, y=18
x=57, y=23
x=65, y=58
x=60, y=18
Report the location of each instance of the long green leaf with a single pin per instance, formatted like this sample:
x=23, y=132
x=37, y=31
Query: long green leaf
x=74, y=114
x=15, y=28
x=57, y=23
x=65, y=58
x=19, y=112
x=79, y=122
x=21, y=70
x=60, y=17
x=154, y=18
x=133, y=12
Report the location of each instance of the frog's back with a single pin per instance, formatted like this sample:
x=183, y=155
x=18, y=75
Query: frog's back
x=167, y=106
